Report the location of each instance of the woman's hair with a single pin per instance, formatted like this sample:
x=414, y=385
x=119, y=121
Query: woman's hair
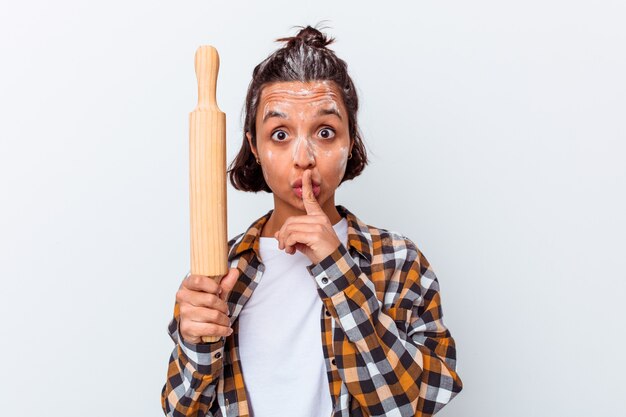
x=303, y=58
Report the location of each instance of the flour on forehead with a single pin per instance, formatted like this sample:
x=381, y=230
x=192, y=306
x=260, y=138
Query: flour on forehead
x=301, y=90
x=277, y=96
x=328, y=102
x=271, y=106
x=305, y=89
x=282, y=107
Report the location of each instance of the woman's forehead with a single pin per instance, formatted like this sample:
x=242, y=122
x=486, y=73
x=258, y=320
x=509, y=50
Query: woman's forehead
x=301, y=91
x=305, y=98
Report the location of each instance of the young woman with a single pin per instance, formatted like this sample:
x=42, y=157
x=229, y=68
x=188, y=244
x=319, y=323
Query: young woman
x=320, y=314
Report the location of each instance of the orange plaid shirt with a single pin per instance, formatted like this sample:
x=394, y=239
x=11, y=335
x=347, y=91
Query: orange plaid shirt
x=386, y=348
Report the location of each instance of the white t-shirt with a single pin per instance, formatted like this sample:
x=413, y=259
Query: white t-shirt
x=280, y=341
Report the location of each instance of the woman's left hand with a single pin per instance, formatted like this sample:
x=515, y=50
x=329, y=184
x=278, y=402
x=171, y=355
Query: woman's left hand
x=312, y=234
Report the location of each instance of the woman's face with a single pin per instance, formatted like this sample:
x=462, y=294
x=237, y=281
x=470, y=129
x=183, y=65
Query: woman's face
x=302, y=126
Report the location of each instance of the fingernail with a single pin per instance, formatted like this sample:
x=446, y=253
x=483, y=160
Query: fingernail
x=230, y=331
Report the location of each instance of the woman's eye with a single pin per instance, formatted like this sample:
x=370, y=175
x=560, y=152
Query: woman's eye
x=279, y=135
x=327, y=133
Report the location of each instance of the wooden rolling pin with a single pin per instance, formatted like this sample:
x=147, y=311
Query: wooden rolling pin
x=207, y=175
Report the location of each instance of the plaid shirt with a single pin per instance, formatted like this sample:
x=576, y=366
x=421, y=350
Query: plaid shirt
x=386, y=348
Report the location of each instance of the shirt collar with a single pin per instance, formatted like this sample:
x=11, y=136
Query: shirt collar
x=359, y=237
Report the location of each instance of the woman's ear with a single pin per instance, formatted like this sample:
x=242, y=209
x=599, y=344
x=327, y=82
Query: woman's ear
x=249, y=137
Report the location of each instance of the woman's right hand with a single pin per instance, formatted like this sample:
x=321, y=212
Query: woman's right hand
x=202, y=306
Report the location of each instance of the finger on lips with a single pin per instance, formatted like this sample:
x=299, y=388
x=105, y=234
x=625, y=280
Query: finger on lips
x=308, y=223
x=308, y=198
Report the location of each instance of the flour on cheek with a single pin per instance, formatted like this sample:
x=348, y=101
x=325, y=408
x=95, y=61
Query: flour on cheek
x=343, y=161
x=297, y=108
x=341, y=158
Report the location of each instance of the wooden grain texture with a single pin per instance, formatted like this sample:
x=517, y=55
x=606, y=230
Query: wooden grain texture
x=207, y=174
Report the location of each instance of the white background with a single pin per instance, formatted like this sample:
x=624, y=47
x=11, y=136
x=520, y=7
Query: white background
x=496, y=134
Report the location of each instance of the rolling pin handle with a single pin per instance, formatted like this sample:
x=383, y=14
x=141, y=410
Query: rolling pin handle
x=207, y=64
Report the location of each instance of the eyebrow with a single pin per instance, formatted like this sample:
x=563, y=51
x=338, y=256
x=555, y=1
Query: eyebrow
x=274, y=113
x=321, y=112
x=324, y=112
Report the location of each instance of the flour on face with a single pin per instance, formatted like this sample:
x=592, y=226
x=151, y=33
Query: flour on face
x=302, y=126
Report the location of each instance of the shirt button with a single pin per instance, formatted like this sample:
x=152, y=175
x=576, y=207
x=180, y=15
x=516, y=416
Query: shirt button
x=333, y=362
x=324, y=280
x=218, y=355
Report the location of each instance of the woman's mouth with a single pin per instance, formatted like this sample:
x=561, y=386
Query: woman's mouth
x=298, y=191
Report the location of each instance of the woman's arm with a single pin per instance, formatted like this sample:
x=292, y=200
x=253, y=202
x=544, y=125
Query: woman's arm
x=192, y=375
x=400, y=361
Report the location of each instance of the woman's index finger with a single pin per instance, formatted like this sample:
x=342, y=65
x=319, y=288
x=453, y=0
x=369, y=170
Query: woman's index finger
x=308, y=198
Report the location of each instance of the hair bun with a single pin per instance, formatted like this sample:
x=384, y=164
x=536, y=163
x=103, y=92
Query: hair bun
x=308, y=36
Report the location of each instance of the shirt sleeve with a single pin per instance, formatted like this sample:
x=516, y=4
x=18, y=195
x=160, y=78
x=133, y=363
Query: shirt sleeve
x=398, y=361
x=192, y=375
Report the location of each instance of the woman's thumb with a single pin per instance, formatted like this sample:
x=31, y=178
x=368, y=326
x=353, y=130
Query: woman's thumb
x=228, y=282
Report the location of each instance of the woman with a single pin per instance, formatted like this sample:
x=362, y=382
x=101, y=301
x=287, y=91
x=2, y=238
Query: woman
x=320, y=313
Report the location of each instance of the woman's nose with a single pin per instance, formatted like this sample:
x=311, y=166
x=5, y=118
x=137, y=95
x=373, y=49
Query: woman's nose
x=303, y=154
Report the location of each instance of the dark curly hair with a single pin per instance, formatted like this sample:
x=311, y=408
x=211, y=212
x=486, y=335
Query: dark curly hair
x=305, y=57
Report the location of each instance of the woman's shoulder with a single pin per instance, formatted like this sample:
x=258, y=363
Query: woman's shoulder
x=388, y=241
x=396, y=258
x=380, y=245
x=394, y=246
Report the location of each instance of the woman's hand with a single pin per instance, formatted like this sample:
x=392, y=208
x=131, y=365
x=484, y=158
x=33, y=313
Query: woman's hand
x=312, y=234
x=202, y=306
